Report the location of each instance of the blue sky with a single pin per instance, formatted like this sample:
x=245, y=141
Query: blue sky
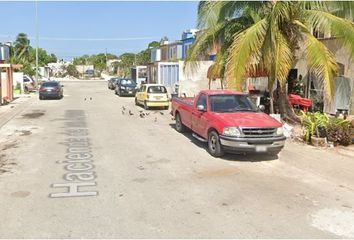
x=97, y=20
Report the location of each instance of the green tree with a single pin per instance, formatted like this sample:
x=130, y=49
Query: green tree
x=72, y=71
x=267, y=34
x=99, y=61
x=153, y=44
x=21, y=46
x=127, y=60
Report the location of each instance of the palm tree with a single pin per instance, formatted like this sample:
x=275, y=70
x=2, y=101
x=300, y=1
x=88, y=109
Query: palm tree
x=270, y=38
x=22, y=46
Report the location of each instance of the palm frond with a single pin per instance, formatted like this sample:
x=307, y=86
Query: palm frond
x=343, y=29
x=283, y=59
x=202, y=45
x=342, y=9
x=244, y=50
x=320, y=61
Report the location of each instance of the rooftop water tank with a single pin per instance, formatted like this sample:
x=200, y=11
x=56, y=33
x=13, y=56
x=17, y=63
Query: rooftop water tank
x=4, y=52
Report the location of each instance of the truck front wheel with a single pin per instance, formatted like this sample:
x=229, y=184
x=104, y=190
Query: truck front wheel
x=214, y=146
x=179, y=125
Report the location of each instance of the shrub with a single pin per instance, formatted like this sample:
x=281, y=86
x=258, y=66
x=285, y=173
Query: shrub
x=315, y=124
x=338, y=131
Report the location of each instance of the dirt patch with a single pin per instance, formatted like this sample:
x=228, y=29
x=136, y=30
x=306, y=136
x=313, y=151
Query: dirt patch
x=33, y=115
x=139, y=180
x=20, y=194
x=9, y=146
x=219, y=172
x=25, y=132
x=5, y=164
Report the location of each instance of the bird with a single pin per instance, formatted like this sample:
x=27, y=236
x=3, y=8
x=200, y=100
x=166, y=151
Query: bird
x=147, y=114
x=90, y=98
x=123, y=112
x=85, y=99
x=142, y=115
x=161, y=113
x=130, y=113
x=123, y=108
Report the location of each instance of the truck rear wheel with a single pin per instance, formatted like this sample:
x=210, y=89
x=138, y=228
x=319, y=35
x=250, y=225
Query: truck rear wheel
x=214, y=146
x=179, y=125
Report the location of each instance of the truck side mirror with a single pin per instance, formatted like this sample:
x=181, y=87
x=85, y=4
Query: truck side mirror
x=201, y=108
x=261, y=107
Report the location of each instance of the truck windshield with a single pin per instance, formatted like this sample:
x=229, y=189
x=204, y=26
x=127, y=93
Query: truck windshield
x=231, y=103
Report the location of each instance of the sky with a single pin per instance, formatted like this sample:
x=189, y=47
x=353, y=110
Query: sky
x=116, y=26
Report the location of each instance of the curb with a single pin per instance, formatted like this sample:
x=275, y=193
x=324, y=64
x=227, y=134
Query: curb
x=13, y=109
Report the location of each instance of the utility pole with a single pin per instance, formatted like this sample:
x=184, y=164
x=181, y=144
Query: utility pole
x=106, y=62
x=37, y=41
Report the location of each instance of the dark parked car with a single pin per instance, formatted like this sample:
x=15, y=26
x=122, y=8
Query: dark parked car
x=112, y=83
x=51, y=89
x=125, y=87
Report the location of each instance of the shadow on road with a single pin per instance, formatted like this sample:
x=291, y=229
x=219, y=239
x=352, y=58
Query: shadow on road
x=230, y=156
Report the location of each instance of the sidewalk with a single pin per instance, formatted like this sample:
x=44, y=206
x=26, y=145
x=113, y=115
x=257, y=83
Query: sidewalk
x=9, y=111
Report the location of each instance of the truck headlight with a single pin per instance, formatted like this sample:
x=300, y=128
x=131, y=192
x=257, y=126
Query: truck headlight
x=232, y=131
x=280, y=131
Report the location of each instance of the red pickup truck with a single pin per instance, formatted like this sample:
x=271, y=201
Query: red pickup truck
x=229, y=122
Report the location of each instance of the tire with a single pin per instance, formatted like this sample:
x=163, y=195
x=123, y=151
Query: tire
x=166, y=108
x=146, y=107
x=40, y=97
x=214, y=146
x=179, y=125
x=136, y=102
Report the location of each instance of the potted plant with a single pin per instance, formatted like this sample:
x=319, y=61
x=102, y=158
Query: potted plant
x=315, y=125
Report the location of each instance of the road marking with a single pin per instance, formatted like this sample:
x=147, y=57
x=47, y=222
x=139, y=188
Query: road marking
x=78, y=160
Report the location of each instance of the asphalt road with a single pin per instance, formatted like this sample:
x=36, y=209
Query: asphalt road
x=82, y=167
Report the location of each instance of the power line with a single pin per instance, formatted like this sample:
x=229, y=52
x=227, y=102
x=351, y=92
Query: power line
x=83, y=39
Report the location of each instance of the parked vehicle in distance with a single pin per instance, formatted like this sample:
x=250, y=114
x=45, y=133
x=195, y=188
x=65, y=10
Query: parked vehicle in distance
x=111, y=82
x=152, y=95
x=28, y=83
x=125, y=87
x=51, y=89
x=229, y=122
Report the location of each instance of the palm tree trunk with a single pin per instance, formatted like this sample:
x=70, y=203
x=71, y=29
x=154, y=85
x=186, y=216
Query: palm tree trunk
x=286, y=110
x=222, y=83
x=271, y=101
x=209, y=83
x=271, y=94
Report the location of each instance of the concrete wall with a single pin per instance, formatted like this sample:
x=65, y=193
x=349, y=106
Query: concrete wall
x=192, y=81
x=6, y=87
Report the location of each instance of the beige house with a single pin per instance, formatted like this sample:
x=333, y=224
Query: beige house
x=344, y=82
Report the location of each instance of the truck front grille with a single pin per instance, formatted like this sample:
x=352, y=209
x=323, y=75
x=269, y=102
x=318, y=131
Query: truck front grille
x=259, y=132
